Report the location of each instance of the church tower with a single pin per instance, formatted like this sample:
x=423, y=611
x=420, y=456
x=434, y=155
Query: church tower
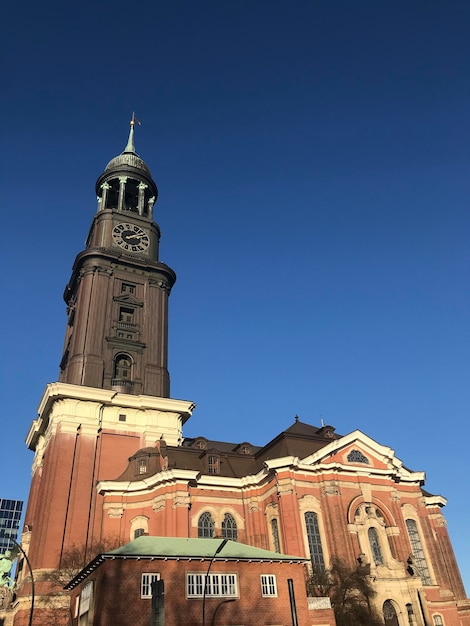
x=112, y=397
x=117, y=297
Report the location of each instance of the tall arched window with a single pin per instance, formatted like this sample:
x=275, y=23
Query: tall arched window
x=418, y=552
x=375, y=546
x=229, y=527
x=314, y=539
x=205, y=526
x=390, y=614
x=275, y=535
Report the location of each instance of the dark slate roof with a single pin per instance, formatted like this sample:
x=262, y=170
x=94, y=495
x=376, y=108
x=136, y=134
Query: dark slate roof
x=235, y=460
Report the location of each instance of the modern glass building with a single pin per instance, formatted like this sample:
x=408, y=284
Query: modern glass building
x=10, y=515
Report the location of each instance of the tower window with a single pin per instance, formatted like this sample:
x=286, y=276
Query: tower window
x=229, y=527
x=205, y=526
x=126, y=315
x=314, y=540
x=138, y=532
x=127, y=288
x=123, y=367
x=122, y=417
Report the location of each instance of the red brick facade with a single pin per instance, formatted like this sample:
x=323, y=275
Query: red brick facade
x=111, y=462
x=118, y=603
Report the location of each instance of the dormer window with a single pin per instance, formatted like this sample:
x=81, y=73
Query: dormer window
x=245, y=449
x=213, y=464
x=142, y=466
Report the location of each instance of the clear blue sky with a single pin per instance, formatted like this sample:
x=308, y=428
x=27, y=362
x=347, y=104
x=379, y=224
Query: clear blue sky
x=313, y=165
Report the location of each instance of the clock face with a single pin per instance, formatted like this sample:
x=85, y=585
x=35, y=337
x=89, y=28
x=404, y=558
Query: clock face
x=130, y=237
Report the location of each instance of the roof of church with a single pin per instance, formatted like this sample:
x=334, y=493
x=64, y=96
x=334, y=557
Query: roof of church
x=128, y=162
x=234, y=460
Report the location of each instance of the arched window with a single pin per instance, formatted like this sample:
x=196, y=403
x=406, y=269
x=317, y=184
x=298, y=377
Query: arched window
x=139, y=527
x=275, y=535
x=438, y=621
x=418, y=552
x=123, y=367
x=375, y=546
x=205, y=526
x=314, y=539
x=229, y=527
x=389, y=613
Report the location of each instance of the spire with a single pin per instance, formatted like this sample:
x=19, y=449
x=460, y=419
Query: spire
x=130, y=142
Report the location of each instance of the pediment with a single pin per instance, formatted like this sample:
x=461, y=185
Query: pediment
x=128, y=299
x=359, y=453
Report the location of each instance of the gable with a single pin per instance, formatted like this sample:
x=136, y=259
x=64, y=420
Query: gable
x=359, y=453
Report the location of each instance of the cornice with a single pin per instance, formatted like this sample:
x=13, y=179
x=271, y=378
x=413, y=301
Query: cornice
x=433, y=501
x=101, y=397
x=319, y=461
x=114, y=487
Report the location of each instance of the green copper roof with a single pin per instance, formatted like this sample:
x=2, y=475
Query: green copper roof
x=146, y=547
x=168, y=547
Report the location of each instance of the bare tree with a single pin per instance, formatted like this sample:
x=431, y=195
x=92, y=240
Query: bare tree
x=350, y=591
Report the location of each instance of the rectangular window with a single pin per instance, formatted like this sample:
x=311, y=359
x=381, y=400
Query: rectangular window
x=218, y=585
x=268, y=585
x=85, y=598
x=127, y=288
x=126, y=314
x=142, y=465
x=146, y=584
x=213, y=464
x=122, y=418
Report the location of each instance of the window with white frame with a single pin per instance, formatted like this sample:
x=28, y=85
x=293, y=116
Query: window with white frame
x=85, y=603
x=268, y=585
x=146, y=584
x=217, y=585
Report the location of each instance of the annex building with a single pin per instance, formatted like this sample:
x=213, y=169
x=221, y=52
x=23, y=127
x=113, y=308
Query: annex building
x=112, y=469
